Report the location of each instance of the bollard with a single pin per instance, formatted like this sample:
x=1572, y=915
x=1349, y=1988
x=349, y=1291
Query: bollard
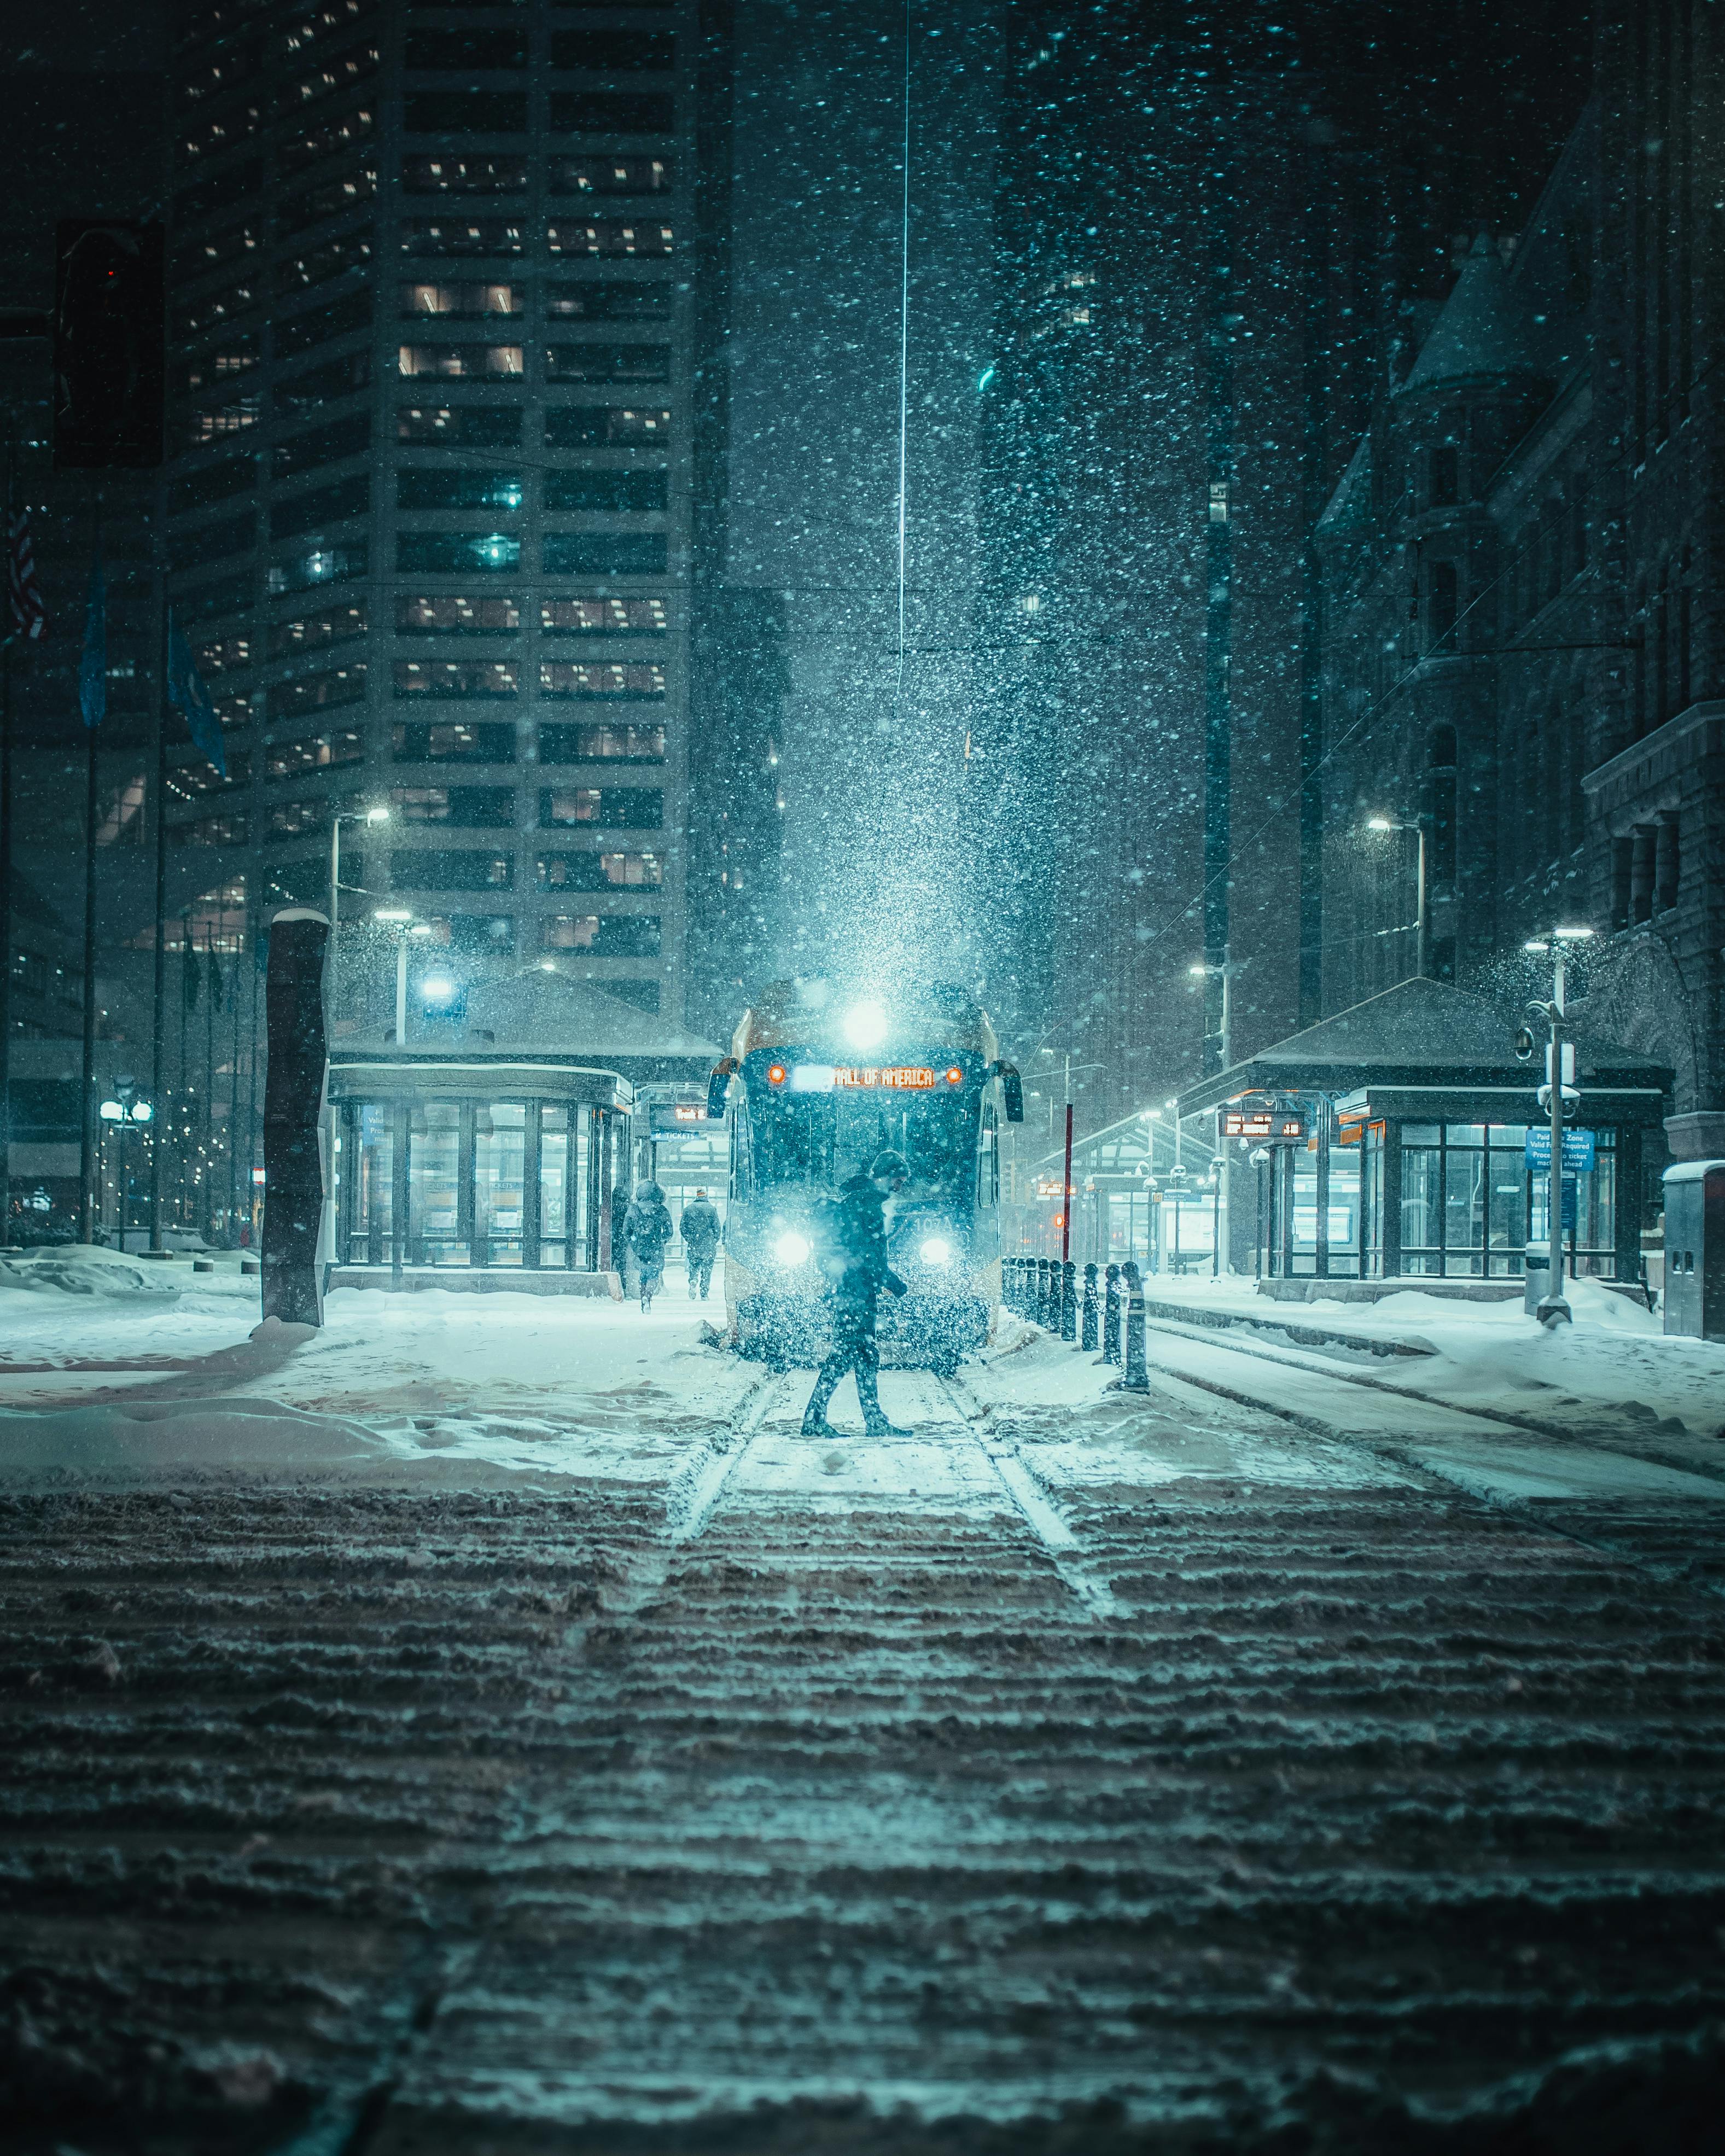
x=1136, y=1378
x=1087, y=1338
x=1069, y=1300
x=1111, y=1318
x=1048, y=1311
x=1038, y=1292
x=1010, y=1283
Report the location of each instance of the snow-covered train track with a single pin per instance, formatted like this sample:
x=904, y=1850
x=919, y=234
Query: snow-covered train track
x=824, y=1774
x=1613, y=1499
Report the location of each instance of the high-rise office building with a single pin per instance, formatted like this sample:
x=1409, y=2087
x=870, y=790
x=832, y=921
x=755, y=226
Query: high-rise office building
x=432, y=333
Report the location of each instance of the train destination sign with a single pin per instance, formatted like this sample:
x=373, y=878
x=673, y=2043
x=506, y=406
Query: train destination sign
x=1264, y=1124
x=911, y=1077
x=856, y=1077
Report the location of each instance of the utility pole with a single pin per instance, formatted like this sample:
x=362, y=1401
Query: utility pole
x=88, y=1134
x=1217, y=628
x=1552, y=1308
x=159, y=1002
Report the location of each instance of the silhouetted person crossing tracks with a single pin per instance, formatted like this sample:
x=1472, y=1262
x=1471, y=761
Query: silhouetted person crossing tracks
x=859, y=1250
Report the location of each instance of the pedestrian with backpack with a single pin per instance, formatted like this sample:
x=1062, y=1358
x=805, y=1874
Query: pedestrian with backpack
x=646, y=1230
x=859, y=1255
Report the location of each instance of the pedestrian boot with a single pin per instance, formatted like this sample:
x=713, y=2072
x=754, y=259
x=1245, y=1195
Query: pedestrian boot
x=815, y=1423
x=876, y=1420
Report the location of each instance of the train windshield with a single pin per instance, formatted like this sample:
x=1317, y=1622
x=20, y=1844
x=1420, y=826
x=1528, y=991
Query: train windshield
x=827, y=1138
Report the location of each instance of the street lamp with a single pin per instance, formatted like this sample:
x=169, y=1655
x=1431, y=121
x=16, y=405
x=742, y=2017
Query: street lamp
x=1552, y=1309
x=1226, y=971
x=400, y=918
x=338, y=817
x=127, y=1112
x=1422, y=931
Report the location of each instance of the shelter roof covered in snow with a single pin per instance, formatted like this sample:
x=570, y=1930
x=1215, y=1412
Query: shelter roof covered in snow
x=1422, y=1035
x=536, y=1016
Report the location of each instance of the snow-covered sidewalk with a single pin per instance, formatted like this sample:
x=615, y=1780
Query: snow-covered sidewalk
x=393, y=1387
x=1614, y=1361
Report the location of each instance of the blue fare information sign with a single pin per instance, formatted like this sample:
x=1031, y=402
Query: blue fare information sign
x=1579, y=1150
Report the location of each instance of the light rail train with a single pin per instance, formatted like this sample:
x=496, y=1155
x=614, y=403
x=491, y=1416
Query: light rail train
x=818, y=1083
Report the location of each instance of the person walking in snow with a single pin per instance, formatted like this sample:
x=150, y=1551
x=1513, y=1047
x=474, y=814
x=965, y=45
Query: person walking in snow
x=860, y=1255
x=700, y=1230
x=646, y=1230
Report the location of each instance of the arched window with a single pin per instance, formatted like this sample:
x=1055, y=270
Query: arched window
x=1445, y=475
x=1443, y=605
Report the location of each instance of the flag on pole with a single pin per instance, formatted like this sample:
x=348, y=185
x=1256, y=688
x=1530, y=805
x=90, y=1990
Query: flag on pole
x=187, y=694
x=93, y=662
x=217, y=997
x=28, y=615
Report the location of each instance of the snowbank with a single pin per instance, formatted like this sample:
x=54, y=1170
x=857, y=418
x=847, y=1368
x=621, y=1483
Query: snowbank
x=1613, y=1364
x=465, y=1389
x=88, y=1270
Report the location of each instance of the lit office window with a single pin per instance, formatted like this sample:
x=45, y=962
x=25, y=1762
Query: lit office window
x=456, y=677
x=462, y=362
x=462, y=301
x=625, y=683
x=440, y=615
x=644, y=239
x=599, y=616
x=599, y=871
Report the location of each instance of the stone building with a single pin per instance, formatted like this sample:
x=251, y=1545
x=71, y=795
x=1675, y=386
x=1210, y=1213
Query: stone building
x=1521, y=663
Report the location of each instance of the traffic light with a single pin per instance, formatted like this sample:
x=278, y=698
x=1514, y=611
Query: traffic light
x=108, y=332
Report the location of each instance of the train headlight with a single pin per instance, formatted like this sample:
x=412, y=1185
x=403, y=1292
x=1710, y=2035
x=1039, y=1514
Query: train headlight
x=866, y=1025
x=791, y=1248
x=936, y=1251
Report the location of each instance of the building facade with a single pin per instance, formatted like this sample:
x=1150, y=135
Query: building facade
x=431, y=331
x=1523, y=652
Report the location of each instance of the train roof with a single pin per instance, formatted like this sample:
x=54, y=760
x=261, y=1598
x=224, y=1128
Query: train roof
x=809, y=1013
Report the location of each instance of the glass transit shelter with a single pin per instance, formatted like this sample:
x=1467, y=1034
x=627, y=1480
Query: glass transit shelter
x=483, y=1167
x=1422, y=1156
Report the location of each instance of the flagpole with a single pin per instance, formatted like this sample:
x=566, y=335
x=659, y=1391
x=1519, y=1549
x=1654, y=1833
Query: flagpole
x=93, y=689
x=233, y=1100
x=158, y=1054
x=184, y=1146
x=251, y=1088
x=209, y=1078
x=86, y=1161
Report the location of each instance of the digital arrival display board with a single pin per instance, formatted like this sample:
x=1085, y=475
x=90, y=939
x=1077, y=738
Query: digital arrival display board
x=1262, y=1122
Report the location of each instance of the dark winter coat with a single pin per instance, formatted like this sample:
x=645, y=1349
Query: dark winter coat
x=701, y=1228
x=856, y=1255
x=647, y=1227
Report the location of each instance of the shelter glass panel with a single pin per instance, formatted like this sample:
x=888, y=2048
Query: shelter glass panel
x=368, y=1171
x=499, y=1168
x=435, y=1222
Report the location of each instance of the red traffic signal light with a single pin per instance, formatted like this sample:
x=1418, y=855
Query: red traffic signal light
x=109, y=331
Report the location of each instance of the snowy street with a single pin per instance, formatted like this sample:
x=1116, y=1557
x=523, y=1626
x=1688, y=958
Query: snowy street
x=487, y=1724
